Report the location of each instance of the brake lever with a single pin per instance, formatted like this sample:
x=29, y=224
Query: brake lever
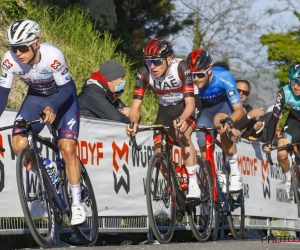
x=133, y=140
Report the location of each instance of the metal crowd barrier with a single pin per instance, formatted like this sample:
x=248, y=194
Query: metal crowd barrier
x=140, y=224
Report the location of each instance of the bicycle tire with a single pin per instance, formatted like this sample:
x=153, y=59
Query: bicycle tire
x=216, y=216
x=236, y=215
x=161, y=220
x=296, y=185
x=201, y=213
x=33, y=209
x=88, y=232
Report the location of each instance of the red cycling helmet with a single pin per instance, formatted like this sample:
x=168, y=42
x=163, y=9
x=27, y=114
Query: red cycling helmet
x=199, y=60
x=157, y=48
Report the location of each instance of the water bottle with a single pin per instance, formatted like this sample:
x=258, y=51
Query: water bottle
x=50, y=170
x=222, y=181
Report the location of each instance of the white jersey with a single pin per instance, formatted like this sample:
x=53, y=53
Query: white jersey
x=43, y=77
x=168, y=88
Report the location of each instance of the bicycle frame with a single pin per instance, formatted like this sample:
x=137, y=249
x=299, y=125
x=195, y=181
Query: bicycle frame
x=218, y=195
x=32, y=140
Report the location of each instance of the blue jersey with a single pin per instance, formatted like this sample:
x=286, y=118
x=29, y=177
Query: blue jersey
x=222, y=88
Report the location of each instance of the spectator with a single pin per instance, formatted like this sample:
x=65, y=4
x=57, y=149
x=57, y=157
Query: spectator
x=100, y=94
x=249, y=125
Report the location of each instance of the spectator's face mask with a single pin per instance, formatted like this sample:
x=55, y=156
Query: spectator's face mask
x=121, y=86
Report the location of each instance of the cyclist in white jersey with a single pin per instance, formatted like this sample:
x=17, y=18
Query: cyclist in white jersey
x=43, y=68
x=170, y=78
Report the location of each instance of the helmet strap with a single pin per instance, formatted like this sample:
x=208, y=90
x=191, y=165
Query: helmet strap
x=34, y=53
x=168, y=66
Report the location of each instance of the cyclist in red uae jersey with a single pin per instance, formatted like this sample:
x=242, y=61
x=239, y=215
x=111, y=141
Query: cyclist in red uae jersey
x=43, y=68
x=170, y=78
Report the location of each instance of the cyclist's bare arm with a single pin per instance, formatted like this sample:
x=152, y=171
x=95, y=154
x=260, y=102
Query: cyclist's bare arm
x=188, y=93
x=187, y=112
x=134, y=117
x=238, y=112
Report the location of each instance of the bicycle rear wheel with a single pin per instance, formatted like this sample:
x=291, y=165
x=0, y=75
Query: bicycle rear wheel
x=36, y=205
x=88, y=232
x=161, y=199
x=296, y=185
x=201, y=212
x=236, y=218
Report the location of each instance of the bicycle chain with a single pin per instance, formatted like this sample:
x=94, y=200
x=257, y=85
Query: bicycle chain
x=173, y=163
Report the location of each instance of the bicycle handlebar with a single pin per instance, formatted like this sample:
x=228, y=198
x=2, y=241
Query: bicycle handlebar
x=286, y=146
x=22, y=123
x=206, y=130
x=160, y=127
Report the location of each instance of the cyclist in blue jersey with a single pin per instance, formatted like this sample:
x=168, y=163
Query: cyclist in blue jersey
x=289, y=95
x=43, y=68
x=221, y=104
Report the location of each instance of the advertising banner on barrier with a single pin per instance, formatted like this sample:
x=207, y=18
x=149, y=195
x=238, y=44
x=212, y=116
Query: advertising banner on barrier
x=118, y=172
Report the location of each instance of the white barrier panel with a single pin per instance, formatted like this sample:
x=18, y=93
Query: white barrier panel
x=118, y=172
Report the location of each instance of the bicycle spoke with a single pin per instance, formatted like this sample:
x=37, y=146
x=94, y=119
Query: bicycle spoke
x=35, y=203
x=87, y=233
x=236, y=218
x=201, y=212
x=161, y=202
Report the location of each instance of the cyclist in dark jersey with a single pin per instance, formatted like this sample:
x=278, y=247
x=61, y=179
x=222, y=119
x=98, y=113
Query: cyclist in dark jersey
x=289, y=95
x=220, y=104
x=43, y=68
x=170, y=78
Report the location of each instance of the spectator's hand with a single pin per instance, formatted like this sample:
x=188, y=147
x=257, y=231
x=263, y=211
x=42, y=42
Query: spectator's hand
x=125, y=111
x=49, y=115
x=258, y=125
x=255, y=112
x=236, y=133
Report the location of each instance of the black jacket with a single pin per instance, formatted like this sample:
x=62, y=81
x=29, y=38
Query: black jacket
x=246, y=126
x=97, y=101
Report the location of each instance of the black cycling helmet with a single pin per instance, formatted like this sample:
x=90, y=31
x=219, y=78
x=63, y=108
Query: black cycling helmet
x=199, y=60
x=294, y=72
x=157, y=48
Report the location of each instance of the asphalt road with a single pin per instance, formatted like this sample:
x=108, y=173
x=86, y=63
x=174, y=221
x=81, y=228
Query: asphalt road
x=217, y=245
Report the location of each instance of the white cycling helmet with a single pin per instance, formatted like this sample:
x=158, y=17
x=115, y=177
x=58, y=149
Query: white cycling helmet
x=22, y=32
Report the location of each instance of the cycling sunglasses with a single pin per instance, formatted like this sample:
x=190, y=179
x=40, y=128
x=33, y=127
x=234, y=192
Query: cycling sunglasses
x=22, y=47
x=199, y=74
x=155, y=62
x=294, y=82
x=244, y=92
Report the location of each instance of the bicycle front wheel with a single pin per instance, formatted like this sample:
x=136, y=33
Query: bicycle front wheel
x=88, y=232
x=201, y=212
x=36, y=205
x=161, y=199
x=296, y=185
x=236, y=218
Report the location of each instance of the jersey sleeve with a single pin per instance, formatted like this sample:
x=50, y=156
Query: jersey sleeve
x=277, y=110
x=59, y=67
x=229, y=85
x=6, y=79
x=7, y=73
x=142, y=78
x=185, y=76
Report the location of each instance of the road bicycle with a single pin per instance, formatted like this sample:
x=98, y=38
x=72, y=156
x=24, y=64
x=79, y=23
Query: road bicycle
x=45, y=202
x=166, y=201
x=228, y=206
x=294, y=153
